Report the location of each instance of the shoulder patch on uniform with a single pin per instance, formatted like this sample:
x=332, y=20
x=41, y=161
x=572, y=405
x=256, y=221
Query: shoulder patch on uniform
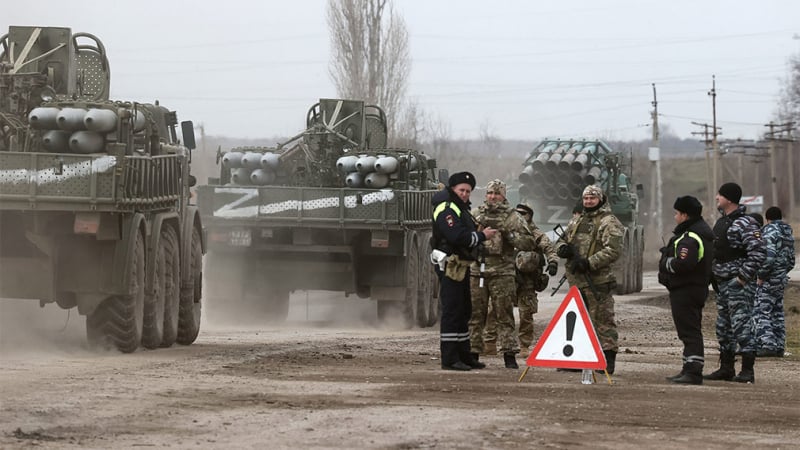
x=450, y=220
x=757, y=234
x=683, y=253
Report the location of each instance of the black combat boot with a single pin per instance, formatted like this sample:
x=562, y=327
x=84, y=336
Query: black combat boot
x=747, y=375
x=458, y=365
x=474, y=363
x=692, y=373
x=611, y=361
x=510, y=360
x=726, y=371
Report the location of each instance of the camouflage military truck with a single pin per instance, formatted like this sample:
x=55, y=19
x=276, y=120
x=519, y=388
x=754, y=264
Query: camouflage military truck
x=95, y=206
x=552, y=181
x=330, y=209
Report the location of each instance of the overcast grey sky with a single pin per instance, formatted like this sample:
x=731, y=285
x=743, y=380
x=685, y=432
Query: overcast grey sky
x=530, y=69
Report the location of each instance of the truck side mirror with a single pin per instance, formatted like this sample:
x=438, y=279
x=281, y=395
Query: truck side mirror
x=187, y=130
x=444, y=175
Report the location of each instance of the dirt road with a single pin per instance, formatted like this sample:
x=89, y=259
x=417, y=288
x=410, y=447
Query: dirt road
x=344, y=385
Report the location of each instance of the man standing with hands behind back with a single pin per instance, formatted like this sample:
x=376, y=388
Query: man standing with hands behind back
x=685, y=269
x=738, y=253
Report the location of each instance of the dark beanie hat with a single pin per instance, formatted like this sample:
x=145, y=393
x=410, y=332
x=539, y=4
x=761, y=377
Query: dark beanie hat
x=773, y=213
x=688, y=205
x=461, y=177
x=731, y=191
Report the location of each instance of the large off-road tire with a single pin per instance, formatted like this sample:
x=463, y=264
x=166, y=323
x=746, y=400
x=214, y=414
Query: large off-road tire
x=623, y=265
x=172, y=284
x=117, y=321
x=153, y=326
x=428, y=306
x=190, y=306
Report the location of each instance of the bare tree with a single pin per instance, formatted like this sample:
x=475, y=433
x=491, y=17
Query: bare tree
x=370, y=55
x=789, y=102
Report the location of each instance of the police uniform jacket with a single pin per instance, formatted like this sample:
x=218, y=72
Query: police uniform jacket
x=454, y=228
x=686, y=260
x=738, y=248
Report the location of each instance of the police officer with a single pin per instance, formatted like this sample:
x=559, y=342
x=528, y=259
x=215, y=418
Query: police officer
x=772, y=280
x=454, y=234
x=738, y=253
x=496, y=283
x=529, y=282
x=591, y=244
x=685, y=269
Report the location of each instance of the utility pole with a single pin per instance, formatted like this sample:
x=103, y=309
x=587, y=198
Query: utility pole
x=656, y=206
x=776, y=133
x=710, y=188
x=714, y=146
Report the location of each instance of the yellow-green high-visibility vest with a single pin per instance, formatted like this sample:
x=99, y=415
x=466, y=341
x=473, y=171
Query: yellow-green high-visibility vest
x=693, y=235
x=441, y=207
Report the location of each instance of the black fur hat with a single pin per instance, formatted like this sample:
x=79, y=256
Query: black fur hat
x=689, y=205
x=461, y=177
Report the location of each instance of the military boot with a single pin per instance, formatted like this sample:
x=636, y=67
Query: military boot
x=726, y=370
x=692, y=373
x=510, y=360
x=611, y=361
x=747, y=375
x=474, y=361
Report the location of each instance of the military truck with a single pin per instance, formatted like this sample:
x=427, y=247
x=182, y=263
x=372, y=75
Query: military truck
x=329, y=209
x=552, y=181
x=95, y=208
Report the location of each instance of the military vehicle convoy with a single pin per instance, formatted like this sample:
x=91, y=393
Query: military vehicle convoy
x=330, y=209
x=552, y=181
x=95, y=208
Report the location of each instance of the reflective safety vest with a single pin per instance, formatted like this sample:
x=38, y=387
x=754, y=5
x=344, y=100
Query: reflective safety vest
x=693, y=235
x=441, y=207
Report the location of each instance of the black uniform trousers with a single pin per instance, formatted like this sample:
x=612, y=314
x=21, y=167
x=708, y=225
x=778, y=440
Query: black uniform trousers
x=456, y=304
x=687, y=304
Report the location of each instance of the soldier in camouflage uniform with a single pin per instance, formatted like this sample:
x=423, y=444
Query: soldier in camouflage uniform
x=738, y=252
x=591, y=244
x=772, y=280
x=531, y=279
x=499, y=285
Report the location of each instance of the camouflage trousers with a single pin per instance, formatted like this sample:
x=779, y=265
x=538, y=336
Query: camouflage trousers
x=501, y=291
x=600, y=304
x=735, y=325
x=769, y=315
x=527, y=306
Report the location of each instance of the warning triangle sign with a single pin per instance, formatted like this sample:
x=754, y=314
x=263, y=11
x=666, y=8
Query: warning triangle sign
x=569, y=341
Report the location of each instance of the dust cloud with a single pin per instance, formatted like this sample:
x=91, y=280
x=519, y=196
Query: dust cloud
x=29, y=330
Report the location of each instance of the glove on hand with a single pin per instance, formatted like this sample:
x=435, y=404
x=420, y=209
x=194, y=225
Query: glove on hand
x=580, y=265
x=552, y=268
x=566, y=251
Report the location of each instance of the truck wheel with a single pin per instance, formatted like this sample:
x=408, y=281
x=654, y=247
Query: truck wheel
x=153, y=325
x=640, y=258
x=172, y=284
x=190, y=306
x=622, y=265
x=404, y=312
x=117, y=321
x=428, y=309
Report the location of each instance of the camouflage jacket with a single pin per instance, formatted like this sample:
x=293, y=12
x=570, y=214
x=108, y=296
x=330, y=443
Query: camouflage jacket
x=543, y=246
x=738, y=247
x=513, y=234
x=597, y=236
x=777, y=236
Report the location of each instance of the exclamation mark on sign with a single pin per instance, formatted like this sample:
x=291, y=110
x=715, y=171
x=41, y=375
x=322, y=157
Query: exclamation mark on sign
x=571, y=316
